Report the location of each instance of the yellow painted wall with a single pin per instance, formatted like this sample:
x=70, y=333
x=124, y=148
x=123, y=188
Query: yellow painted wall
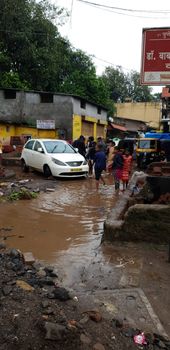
x=148, y=112
x=6, y=131
x=22, y=130
x=95, y=131
x=76, y=126
x=47, y=134
x=51, y=134
x=90, y=119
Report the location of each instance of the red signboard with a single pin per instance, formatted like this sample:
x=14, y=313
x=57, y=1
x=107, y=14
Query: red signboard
x=155, y=68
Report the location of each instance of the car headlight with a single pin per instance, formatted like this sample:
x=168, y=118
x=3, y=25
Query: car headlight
x=58, y=162
x=85, y=162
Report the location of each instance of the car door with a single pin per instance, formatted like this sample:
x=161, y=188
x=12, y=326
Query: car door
x=38, y=156
x=27, y=153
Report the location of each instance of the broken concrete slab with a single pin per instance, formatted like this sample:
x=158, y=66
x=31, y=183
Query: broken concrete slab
x=145, y=227
x=28, y=258
x=129, y=304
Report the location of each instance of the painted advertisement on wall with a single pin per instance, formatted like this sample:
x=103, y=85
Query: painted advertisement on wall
x=155, y=67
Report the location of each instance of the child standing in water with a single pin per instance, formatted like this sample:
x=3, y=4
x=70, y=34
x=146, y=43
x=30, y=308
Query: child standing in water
x=99, y=164
x=127, y=164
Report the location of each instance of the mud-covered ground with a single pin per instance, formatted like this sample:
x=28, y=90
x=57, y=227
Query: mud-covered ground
x=43, y=315
x=37, y=313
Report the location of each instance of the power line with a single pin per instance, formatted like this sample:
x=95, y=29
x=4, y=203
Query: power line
x=111, y=10
x=124, y=9
x=110, y=63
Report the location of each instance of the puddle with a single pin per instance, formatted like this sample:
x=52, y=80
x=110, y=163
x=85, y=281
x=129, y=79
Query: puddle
x=63, y=227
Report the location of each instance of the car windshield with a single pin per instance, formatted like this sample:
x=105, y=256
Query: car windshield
x=147, y=144
x=58, y=147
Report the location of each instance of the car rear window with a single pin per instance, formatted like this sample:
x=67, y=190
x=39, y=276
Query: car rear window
x=29, y=144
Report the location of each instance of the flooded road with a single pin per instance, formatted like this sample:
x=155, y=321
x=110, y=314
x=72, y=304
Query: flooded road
x=63, y=227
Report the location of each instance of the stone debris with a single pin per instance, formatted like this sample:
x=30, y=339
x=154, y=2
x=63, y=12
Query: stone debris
x=2, y=245
x=24, y=285
x=94, y=315
x=41, y=273
x=28, y=258
x=45, y=303
x=49, y=311
x=15, y=253
x=6, y=290
x=84, y=320
x=50, y=189
x=61, y=294
x=98, y=346
x=54, y=331
x=85, y=339
x=39, y=323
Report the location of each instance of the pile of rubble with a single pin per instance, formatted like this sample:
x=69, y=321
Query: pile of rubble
x=36, y=313
x=24, y=189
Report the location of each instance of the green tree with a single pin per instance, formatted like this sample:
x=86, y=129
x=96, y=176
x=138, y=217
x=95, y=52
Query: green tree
x=136, y=91
x=30, y=44
x=12, y=80
x=81, y=79
x=116, y=82
x=33, y=55
x=123, y=86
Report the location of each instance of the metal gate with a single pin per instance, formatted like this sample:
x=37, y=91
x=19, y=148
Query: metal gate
x=100, y=130
x=87, y=129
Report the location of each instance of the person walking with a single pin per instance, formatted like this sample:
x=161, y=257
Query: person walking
x=110, y=156
x=99, y=164
x=117, y=168
x=101, y=142
x=127, y=165
x=91, y=145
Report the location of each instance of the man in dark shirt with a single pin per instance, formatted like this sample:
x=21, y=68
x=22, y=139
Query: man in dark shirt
x=80, y=144
x=100, y=164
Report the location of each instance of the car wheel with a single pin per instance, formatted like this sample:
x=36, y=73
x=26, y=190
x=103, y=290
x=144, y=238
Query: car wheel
x=25, y=168
x=47, y=171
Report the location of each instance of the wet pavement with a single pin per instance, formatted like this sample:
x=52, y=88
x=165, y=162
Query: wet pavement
x=64, y=228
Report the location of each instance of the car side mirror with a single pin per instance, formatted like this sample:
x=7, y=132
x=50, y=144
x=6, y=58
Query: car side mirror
x=76, y=150
x=40, y=150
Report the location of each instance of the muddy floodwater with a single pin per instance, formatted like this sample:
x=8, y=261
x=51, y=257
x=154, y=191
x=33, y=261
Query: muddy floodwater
x=63, y=227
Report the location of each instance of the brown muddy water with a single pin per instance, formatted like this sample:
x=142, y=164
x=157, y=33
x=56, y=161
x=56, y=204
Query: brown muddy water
x=63, y=227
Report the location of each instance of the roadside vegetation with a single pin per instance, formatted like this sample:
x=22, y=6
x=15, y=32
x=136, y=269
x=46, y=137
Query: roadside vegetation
x=34, y=56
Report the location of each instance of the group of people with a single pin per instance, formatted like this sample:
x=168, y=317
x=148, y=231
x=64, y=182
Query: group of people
x=108, y=158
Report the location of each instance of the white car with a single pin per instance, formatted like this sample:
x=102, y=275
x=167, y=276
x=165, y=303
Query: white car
x=53, y=157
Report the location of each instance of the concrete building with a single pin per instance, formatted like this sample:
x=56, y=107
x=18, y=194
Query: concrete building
x=42, y=114
x=149, y=112
x=125, y=127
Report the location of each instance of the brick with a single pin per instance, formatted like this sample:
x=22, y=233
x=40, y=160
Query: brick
x=28, y=258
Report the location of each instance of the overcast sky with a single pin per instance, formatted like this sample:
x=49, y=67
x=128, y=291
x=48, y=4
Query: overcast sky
x=111, y=36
